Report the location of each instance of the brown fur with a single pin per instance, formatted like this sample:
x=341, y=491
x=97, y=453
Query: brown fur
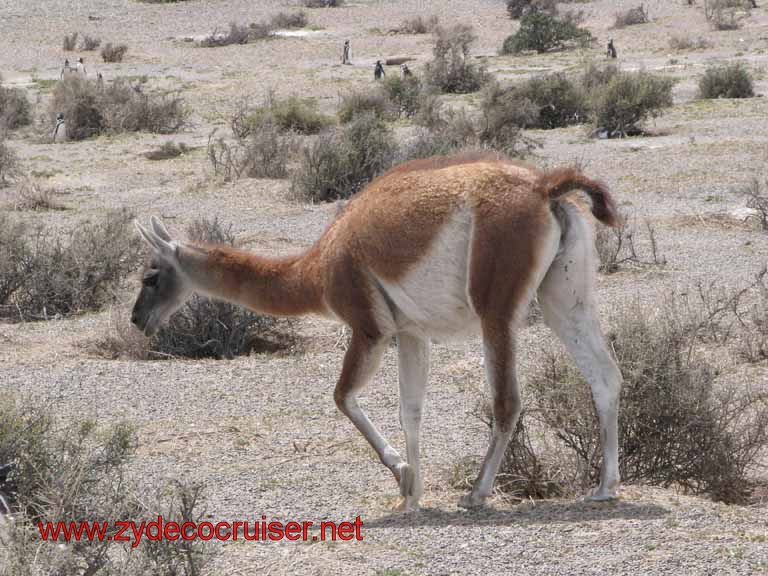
x=388, y=228
x=562, y=181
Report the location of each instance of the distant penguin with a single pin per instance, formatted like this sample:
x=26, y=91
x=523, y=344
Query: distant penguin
x=611, y=49
x=346, y=54
x=60, y=130
x=405, y=71
x=65, y=69
x=378, y=70
x=81, y=66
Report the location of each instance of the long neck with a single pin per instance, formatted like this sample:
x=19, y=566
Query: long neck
x=287, y=286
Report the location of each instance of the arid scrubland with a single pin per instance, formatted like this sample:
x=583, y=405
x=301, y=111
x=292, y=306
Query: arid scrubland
x=236, y=122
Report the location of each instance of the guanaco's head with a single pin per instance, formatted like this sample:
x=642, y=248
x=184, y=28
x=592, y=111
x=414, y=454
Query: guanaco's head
x=163, y=286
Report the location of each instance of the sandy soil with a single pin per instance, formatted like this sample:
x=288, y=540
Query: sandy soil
x=262, y=432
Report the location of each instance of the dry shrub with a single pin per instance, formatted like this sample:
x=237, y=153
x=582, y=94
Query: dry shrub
x=728, y=81
x=617, y=247
x=204, y=328
x=237, y=34
x=361, y=102
x=542, y=32
x=631, y=17
x=167, y=151
x=341, y=162
x=285, y=20
x=757, y=200
x=519, y=8
x=14, y=253
x=678, y=426
x=78, y=471
x=688, y=43
x=79, y=100
x=15, y=110
x=619, y=106
x=9, y=163
x=113, y=52
x=70, y=42
x=323, y=3
x=90, y=110
x=30, y=195
x=53, y=274
x=418, y=25
x=723, y=14
x=451, y=69
x=89, y=43
x=528, y=470
x=264, y=152
x=126, y=110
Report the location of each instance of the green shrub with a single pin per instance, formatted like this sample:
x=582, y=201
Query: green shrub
x=341, y=162
x=546, y=102
x=293, y=113
x=519, y=8
x=597, y=76
x=542, y=32
x=728, y=81
x=361, y=102
x=451, y=69
x=79, y=471
x=448, y=133
x=404, y=93
x=299, y=115
x=505, y=114
x=629, y=98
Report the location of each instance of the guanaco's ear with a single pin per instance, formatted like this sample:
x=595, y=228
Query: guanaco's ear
x=163, y=247
x=159, y=228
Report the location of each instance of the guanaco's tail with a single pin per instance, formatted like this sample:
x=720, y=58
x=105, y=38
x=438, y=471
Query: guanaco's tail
x=560, y=182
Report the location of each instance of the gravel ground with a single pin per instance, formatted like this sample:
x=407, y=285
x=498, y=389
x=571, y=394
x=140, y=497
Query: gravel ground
x=262, y=432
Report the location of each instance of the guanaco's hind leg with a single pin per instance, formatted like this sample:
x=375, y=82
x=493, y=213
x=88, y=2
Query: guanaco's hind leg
x=499, y=357
x=413, y=367
x=567, y=300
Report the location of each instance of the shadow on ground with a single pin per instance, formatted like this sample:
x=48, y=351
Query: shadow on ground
x=549, y=512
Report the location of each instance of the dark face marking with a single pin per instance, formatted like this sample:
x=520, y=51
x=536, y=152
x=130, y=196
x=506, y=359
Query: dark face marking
x=162, y=292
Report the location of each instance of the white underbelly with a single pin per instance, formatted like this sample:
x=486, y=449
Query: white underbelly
x=432, y=299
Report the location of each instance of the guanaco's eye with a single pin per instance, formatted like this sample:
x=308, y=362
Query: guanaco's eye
x=150, y=278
